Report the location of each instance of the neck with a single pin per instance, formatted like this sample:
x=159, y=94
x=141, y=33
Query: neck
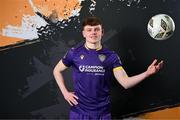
x=93, y=46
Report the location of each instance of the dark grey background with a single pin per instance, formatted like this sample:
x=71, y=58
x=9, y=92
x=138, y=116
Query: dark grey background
x=28, y=89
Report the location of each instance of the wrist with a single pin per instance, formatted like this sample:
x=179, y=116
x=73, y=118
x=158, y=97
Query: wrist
x=146, y=74
x=64, y=92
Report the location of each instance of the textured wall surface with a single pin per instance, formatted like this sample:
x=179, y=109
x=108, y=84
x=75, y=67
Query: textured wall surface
x=35, y=35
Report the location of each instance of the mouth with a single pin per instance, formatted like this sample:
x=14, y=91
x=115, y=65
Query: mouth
x=93, y=37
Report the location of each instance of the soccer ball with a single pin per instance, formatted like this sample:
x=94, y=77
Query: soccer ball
x=161, y=27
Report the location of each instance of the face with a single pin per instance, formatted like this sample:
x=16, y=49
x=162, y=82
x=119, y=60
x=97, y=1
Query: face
x=93, y=34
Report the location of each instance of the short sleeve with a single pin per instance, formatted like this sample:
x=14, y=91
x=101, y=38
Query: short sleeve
x=68, y=58
x=116, y=63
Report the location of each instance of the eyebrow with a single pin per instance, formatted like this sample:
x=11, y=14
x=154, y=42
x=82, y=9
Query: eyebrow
x=91, y=27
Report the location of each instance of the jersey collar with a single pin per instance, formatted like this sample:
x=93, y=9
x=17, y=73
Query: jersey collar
x=93, y=49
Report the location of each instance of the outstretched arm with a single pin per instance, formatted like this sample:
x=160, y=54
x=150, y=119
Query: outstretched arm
x=69, y=96
x=127, y=82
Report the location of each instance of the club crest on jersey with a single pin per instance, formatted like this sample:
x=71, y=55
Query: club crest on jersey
x=102, y=57
x=82, y=57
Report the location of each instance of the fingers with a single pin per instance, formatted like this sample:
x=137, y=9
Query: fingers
x=72, y=99
x=154, y=62
x=161, y=64
x=75, y=96
x=157, y=68
x=72, y=102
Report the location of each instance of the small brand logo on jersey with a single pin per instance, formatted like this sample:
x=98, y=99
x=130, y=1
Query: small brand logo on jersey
x=82, y=57
x=102, y=57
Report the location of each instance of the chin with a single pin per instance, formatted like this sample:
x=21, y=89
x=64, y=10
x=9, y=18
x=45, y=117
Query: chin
x=94, y=40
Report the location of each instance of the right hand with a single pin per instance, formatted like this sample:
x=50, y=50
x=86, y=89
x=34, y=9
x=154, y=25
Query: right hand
x=71, y=98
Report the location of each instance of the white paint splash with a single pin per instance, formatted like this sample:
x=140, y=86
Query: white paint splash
x=27, y=30
x=75, y=12
x=129, y=2
x=29, y=24
x=92, y=6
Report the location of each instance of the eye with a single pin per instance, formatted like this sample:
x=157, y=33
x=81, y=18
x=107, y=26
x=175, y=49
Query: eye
x=97, y=29
x=88, y=30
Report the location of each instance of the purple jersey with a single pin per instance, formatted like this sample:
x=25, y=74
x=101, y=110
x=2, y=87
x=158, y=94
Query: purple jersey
x=92, y=72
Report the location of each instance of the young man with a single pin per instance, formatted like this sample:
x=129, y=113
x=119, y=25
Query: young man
x=93, y=66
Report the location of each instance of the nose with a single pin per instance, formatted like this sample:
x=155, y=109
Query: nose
x=94, y=32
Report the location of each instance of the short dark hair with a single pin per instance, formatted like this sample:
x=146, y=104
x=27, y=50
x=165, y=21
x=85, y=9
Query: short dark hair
x=92, y=21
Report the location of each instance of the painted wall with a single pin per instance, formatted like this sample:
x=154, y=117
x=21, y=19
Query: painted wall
x=172, y=113
x=36, y=34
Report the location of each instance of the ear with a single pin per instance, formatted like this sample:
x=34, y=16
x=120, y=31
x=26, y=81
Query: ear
x=83, y=33
x=102, y=32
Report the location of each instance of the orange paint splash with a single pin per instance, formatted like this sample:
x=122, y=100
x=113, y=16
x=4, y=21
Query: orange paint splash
x=12, y=11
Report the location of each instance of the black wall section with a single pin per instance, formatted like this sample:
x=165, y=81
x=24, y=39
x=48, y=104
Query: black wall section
x=28, y=89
